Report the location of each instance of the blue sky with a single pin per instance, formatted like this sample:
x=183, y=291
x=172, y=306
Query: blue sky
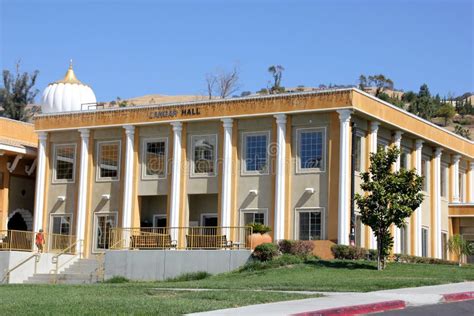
x=131, y=48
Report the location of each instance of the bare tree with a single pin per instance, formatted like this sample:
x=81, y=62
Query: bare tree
x=223, y=83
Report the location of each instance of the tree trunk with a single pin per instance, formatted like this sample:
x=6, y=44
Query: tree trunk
x=379, y=252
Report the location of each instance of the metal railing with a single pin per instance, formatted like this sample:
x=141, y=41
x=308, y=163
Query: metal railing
x=18, y=240
x=70, y=250
x=6, y=277
x=180, y=238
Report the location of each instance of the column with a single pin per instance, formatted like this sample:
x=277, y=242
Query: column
x=40, y=181
x=374, y=128
x=471, y=182
x=82, y=190
x=455, y=182
x=344, y=178
x=437, y=203
x=175, y=179
x=397, y=139
x=279, y=226
x=128, y=177
x=418, y=156
x=226, y=174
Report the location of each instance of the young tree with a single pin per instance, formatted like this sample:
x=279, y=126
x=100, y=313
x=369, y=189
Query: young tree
x=447, y=112
x=277, y=73
x=18, y=91
x=391, y=197
x=459, y=247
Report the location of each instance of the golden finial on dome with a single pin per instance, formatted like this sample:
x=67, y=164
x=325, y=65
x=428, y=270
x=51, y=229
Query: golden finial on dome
x=70, y=77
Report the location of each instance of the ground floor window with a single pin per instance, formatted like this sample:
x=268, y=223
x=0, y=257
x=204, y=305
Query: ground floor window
x=253, y=216
x=444, y=245
x=61, y=225
x=404, y=240
x=103, y=226
x=309, y=224
x=424, y=242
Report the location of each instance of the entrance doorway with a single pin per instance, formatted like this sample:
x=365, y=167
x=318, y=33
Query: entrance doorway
x=103, y=225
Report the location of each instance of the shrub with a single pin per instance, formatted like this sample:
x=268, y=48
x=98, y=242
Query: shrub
x=286, y=246
x=258, y=228
x=117, y=279
x=301, y=248
x=281, y=261
x=265, y=252
x=190, y=276
x=414, y=259
x=348, y=252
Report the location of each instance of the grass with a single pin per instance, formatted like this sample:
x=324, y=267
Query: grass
x=337, y=275
x=146, y=298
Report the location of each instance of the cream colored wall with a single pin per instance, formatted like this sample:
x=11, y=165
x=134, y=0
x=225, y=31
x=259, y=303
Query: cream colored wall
x=68, y=190
x=262, y=183
x=153, y=186
x=198, y=184
x=21, y=193
x=301, y=181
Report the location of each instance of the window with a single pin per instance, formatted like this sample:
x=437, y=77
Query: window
x=404, y=160
x=404, y=240
x=358, y=153
x=443, y=177
x=64, y=162
x=255, y=152
x=309, y=224
x=204, y=150
x=311, y=149
x=253, y=216
x=104, y=223
x=159, y=220
x=424, y=242
x=444, y=246
x=424, y=174
x=61, y=224
x=154, y=158
x=108, y=160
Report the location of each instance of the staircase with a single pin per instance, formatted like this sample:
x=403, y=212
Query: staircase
x=82, y=271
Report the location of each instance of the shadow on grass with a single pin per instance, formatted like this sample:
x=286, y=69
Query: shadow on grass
x=351, y=265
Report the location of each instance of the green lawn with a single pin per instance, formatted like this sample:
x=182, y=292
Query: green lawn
x=342, y=276
x=144, y=298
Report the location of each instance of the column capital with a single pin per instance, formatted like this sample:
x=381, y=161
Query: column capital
x=456, y=158
x=344, y=115
x=129, y=129
x=85, y=132
x=419, y=144
x=42, y=135
x=177, y=126
x=397, y=136
x=374, y=126
x=438, y=151
x=280, y=118
x=227, y=122
x=471, y=166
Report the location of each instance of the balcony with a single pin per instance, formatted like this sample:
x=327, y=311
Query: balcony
x=17, y=240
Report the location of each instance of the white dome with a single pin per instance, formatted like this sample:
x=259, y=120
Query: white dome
x=68, y=94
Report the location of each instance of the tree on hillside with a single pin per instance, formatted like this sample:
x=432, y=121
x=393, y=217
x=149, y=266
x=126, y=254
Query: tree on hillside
x=18, y=91
x=223, y=83
x=409, y=97
x=461, y=131
x=380, y=82
x=447, y=112
x=363, y=83
x=423, y=106
x=277, y=72
x=390, y=198
x=464, y=107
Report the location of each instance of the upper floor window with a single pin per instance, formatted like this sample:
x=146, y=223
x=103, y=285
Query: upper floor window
x=311, y=149
x=108, y=160
x=255, y=152
x=403, y=160
x=204, y=149
x=64, y=163
x=154, y=158
x=424, y=174
x=443, y=182
x=358, y=153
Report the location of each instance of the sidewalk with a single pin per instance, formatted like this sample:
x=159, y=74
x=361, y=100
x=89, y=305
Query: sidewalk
x=411, y=296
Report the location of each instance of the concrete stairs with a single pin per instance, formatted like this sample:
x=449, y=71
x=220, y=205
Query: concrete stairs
x=82, y=271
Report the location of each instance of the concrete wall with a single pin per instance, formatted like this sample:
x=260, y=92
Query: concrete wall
x=9, y=259
x=153, y=265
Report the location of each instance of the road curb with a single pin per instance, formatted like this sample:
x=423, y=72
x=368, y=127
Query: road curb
x=456, y=297
x=357, y=309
